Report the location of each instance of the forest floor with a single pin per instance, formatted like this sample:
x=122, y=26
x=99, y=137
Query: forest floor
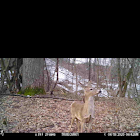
x=32, y=115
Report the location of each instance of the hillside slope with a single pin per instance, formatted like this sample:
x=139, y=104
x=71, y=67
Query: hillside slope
x=66, y=78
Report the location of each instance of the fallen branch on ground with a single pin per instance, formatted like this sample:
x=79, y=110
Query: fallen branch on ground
x=40, y=96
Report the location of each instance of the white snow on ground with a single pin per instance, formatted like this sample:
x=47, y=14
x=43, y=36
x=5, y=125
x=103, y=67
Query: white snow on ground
x=62, y=86
x=64, y=74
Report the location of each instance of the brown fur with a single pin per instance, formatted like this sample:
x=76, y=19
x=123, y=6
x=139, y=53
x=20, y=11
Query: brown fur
x=84, y=112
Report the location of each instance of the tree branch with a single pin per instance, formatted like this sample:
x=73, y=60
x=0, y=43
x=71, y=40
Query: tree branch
x=40, y=96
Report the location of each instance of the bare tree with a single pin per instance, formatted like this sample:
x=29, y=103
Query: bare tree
x=119, y=77
x=4, y=72
x=89, y=69
x=51, y=92
x=127, y=78
x=10, y=73
x=122, y=79
x=73, y=63
x=75, y=66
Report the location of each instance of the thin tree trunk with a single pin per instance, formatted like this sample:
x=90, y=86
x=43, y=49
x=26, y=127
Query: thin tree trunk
x=47, y=76
x=89, y=69
x=51, y=92
x=119, y=78
x=73, y=63
x=76, y=77
x=97, y=73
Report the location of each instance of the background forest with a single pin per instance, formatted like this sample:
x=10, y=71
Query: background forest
x=61, y=78
x=118, y=77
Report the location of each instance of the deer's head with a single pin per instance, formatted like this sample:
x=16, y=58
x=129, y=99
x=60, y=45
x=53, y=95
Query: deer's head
x=91, y=90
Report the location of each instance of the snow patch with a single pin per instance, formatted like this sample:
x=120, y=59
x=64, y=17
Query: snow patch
x=103, y=93
x=66, y=75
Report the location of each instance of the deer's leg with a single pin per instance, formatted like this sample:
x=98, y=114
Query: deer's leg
x=72, y=120
x=78, y=124
x=89, y=124
x=82, y=126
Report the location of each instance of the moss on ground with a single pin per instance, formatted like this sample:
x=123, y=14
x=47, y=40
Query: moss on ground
x=32, y=91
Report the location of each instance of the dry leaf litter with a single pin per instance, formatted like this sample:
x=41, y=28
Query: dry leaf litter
x=32, y=115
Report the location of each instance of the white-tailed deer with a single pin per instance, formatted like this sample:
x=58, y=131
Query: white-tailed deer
x=84, y=112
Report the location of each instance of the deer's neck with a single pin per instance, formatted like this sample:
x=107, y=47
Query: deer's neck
x=89, y=107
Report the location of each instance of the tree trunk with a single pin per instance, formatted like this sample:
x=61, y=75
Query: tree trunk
x=75, y=67
x=119, y=78
x=73, y=63
x=33, y=72
x=56, y=70
x=4, y=73
x=128, y=77
x=97, y=73
x=48, y=79
x=123, y=84
x=89, y=69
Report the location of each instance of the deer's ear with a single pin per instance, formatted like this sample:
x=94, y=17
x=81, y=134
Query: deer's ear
x=89, y=83
x=83, y=86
